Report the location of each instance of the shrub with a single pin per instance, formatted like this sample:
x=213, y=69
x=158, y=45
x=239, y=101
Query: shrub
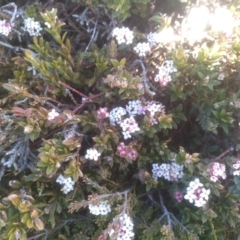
x=114, y=128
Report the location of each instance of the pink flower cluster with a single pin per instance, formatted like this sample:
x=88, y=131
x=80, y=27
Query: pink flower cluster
x=124, y=228
x=178, y=196
x=5, y=28
x=236, y=166
x=153, y=110
x=129, y=126
x=127, y=152
x=102, y=113
x=216, y=171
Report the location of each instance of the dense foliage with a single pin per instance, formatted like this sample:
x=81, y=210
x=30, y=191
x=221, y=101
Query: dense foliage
x=120, y=120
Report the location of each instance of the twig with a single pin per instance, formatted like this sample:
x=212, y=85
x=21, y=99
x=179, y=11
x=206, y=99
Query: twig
x=12, y=47
x=92, y=37
x=12, y=13
x=50, y=231
x=86, y=101
x=144, y=78
x=72, y=89
x=165, y=211
x=223, y=154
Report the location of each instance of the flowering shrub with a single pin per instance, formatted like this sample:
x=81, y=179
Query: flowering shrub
x=119, y=120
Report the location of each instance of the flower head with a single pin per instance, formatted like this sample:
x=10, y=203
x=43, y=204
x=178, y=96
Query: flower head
x=102, y=113
x=32, y=27
x=52, y=114
x=67, y=183
x=123, y=35
x=92, y=154
x=197, y=194
x=195, y=184
x=101, y=209
x=142, y=49
x=5, y=28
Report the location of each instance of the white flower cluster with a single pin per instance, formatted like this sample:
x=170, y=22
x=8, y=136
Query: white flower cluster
x=217, y=170
x=153, y=108
x=5, y=28
x=129, y=125
x=67, y=183
x=32, y=27
x=197, y=194
x=142, y=49
x=123, y=35
x=116, y=114
x=52, y=114
x=164, y=72
x=153, y=38
x=102, y=209
x=92, y=154
x=134, y=108
x=126, y=228
x=171, y=172
x=236, y=166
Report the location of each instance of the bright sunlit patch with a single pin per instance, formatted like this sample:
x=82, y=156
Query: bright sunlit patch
x=222, y=21
x=198, y=18
x=194, y=25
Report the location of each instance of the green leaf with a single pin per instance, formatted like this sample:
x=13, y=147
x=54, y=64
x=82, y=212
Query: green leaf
x=10, y=87
x=115, y=63
x=204, y=218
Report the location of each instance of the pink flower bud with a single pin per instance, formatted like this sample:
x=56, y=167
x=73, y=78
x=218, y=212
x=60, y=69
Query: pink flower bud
x=102, y=113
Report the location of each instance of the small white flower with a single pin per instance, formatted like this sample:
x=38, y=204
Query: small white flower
x=195, y=184
x=205, y=193
x=236, y=166
x=92, y=154
x=52, y=114
x=213, y=178
x=236, y=173
x=190, y=196
x=200, y=202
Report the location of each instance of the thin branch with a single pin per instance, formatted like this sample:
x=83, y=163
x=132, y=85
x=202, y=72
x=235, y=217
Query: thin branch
x=223, y=154
x=50, y=231
x=144, y=78
x=72, y=89
x=93, y=35
x=165, y=211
